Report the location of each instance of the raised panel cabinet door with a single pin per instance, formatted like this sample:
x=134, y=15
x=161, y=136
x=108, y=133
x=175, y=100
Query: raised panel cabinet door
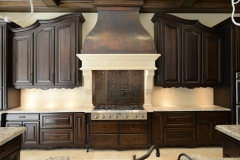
x=157, y=128
x=44, y=56
x=191, y=57
x=212, y=48
x=65, y=54
x=31, y=135
x=170, y=49
x=79, y=128
x=22, y=60
x=204, y=131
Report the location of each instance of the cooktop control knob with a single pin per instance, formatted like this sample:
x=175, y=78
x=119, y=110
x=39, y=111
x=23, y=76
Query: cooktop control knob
x=125, y=116
x=96, y=117
x=102, y=116
x=141, y=116
x=115, y=116
x=109, y=116
x=135, y=116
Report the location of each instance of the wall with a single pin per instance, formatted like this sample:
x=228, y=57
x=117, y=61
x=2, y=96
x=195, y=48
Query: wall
x=76, y=97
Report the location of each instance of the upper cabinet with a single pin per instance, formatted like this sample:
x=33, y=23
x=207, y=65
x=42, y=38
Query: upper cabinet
x=9, y=96
x=190, y=53
x=44, y=54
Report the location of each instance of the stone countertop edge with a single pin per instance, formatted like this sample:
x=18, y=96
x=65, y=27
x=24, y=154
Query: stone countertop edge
x=154, y=108
x=9, y=133
x=230, y=130
x=200, y=157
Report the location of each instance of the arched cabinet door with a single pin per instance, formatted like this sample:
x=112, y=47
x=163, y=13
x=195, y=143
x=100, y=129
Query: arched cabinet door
x=65, y=51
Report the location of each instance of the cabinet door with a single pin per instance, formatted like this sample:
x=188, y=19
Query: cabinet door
x=217, y=135
x=44, y=56
x=204, y=131
x=191, y=57
x=31, y=135
x=157, y=128
x=236, y=42
x=170, y=49
x=79, y=128
x=212, y=47
x=65, y=54
x=22, y=59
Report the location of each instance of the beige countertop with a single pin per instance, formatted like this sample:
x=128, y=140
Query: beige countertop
x=164, y=108
x=200, y=157
x=230, y=130
x=167, y=108
x=9, y=133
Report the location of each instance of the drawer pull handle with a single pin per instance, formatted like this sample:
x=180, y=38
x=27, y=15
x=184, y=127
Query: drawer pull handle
x=104, y=139
x=57, y=136
x=212, y=114
x=104, y=127
x=3, y=151
x=22, y=117
x=56, y=121
x=180, y=135
x=179, y=119
x=133, y=127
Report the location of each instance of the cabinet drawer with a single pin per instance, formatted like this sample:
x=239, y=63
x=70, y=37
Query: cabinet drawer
x=10, y=146
x=126, y=139
x=180, y=119
x=56, y=120
x=56, y=136
x=104, y=127
x=180, y=135
x=105, y=139
x=231, y=147
x=133, y=127
x=213, y=115
x=22, y=117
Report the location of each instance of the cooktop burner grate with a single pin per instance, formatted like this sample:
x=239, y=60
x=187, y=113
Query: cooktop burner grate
x=118, y=107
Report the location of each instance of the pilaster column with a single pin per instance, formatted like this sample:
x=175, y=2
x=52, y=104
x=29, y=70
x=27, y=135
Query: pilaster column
x=87, y=80
x=148, y=86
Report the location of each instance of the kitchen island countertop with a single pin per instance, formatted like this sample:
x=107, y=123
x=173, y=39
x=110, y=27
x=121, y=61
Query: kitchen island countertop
x=200, y=157
x=230, y=130
x=9, y=133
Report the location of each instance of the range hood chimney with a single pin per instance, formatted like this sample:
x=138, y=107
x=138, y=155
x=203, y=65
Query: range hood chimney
x=118, y=31
x=118, y=42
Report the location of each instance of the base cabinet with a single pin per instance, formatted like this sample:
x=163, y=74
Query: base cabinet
x=206, y=132
x=11, y=150
x=30, y=138
x=231, y=147
x=119, y=134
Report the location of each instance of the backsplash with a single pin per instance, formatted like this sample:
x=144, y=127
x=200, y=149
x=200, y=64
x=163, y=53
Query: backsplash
x=76, y=97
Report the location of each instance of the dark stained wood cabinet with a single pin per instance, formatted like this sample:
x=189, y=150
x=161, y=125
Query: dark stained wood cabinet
x=225, y=95
x=206, y=122
x=11, y=150
x=45, y=53
x=120, y=134
x=80, y=129
x=187, y=49
x=30, y=138
x=157, y=128
x=9, y=96
x=231, y=147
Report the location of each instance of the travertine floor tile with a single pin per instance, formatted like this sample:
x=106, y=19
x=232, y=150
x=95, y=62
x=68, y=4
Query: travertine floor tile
x=97, y=154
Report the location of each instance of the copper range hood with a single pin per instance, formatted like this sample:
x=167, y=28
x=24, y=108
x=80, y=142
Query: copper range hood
x=118, y=42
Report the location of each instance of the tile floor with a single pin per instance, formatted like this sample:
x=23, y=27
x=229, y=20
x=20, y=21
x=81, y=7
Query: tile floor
x=97, y=154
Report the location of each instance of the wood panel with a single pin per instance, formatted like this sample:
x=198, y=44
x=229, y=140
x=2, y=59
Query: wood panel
x=56, y=136
x=191, y=56
x=180, y=119
x=22, y=56
x=171, y=54
x=212, y=69
x=64, y=120
x=65, y=51
x=44, y=56
x=104, y=127
x=133, y=127
x=79, y=128
x=179, y=135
